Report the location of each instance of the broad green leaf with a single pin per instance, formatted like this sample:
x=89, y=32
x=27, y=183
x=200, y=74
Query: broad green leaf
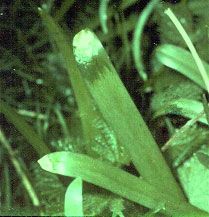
x=74, y=198
x=98, y=136
x=182, y=61
x=185, y=107
x=115, y=180
x=195, y=181
x=121, y=113
x=170, y=86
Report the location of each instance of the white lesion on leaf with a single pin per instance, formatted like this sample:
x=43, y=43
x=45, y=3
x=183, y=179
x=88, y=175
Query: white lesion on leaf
x=86, y=45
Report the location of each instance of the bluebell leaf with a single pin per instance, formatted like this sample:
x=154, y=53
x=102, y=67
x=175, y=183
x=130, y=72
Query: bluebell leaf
x=115, y=180
x=185, y=107
x=74, y=199
x=120, y=112
x=182, y=61
x=194, y=177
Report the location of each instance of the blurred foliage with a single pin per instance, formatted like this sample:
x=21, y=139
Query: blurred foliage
x=34, y=81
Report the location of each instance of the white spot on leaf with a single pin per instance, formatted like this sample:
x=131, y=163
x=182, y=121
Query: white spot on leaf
x=86, y=45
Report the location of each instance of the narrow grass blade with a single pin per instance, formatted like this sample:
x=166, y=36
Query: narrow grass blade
x=24, y=128
x=206, y=108
x=103, y=15
x=117, y=181
x=191, y=47
x=20, y=171
x=7, y=186
x=120, y=112
x=137, y=38
x=74, y=199
x=182, y=61
x=185, y=107
x=94, y=23
x=183, y=130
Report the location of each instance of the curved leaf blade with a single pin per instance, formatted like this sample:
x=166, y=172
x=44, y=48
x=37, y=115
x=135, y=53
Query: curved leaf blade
x=115, y=180
x=182, y=61
x=74, y=198
x=185, y=107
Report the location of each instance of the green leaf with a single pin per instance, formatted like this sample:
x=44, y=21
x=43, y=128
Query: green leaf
x=24, y=128
x=66, y=5
x=203, y=157
x=206, y=108
x=185, y=107
x=137, y=38
x=117, y=208
x=191, y=47
x=170, y=85
x=185, y=142
x=99, y=138
x=115, y=180
x=121, y=113
x=195, y=180
x=182, y=61
x=103, y=15
x=74, y=199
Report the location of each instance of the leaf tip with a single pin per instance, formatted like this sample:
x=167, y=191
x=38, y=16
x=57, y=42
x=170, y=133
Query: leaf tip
x=86, y=45
x=45, y=163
